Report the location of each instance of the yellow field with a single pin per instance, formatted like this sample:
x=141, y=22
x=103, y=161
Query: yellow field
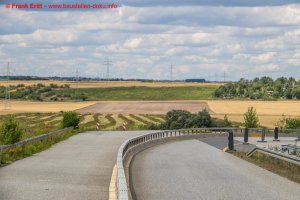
x=269, y=112
x=96, y=84
x=28, y=106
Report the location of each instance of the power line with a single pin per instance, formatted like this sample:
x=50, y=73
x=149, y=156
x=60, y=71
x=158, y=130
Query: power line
x=171, y=73
x=7, y=104
x=77, y=80
x=108, y=63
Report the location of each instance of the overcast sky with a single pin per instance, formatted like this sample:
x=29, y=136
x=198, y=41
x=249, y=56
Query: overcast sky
x=202, y=38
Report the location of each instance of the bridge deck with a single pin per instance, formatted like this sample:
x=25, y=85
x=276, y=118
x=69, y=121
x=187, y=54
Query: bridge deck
x=78, y=168
x=195, y=170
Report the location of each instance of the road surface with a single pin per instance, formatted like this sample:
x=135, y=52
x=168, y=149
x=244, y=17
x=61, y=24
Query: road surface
x=79, y=168
x=195, y=170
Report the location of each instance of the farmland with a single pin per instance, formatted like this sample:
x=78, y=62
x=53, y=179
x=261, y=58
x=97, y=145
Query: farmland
x=125, y=98
x=42, y=107
x=104, y=84
x=41, y=92
x=269, y=112
x=40, y=123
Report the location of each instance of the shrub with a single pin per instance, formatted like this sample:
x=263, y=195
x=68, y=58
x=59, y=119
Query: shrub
x=10, y=131
x=179, y=119
x=70, y=119
x=289, y=123
x=250, y=118
x=202, y=119
x=227, y=123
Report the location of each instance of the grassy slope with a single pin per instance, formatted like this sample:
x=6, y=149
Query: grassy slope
x=144, y=93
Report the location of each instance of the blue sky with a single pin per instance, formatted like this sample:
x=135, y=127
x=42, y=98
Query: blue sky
x=201, y=38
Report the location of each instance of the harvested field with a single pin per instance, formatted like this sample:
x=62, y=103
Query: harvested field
x=264, y=120
x=104, y=84
x=143, y=107
x=31, y=107
x=262, y=107
x=269, y=112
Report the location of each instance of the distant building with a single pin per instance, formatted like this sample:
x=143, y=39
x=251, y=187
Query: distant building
x=196, y=80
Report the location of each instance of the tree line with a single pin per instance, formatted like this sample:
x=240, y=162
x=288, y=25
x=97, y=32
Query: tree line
x=260, y=88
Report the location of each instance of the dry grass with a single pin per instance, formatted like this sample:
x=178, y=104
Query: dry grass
x=30, y=107
x=269, y=112
x=98, y=84
x=87, y=119
x=277, y=166
x=262, y=107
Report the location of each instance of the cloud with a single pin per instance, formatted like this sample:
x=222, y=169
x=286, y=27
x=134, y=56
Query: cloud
x=201, y=40
x=133, y=43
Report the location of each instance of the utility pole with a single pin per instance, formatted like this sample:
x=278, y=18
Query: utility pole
x=224, y=76
x=171, y=73
x=108, y=63
x=76, y=89
x=7, y=104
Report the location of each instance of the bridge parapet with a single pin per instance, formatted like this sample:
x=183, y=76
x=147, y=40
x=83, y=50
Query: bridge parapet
x=134, y=145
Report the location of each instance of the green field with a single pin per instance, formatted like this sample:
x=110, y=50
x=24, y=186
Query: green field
x=142, y=93
x=53, y=92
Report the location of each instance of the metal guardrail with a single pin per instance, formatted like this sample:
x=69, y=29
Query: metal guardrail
x=122, y=191
x=274, y=154
x=34, y=139
x=121, y=183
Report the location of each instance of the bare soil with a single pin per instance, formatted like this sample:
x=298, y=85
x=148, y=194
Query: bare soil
x=143, y=107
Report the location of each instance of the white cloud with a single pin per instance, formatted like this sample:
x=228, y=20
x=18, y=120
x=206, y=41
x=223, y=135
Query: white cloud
x=133, y=43
x=262, y=58
x=198, y=40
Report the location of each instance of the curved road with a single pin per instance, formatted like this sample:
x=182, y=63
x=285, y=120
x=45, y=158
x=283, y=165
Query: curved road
x=75, y=169
x=195, y=170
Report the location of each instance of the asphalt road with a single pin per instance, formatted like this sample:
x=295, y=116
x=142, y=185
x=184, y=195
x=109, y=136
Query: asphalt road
x=79, y=168
x=195, y=170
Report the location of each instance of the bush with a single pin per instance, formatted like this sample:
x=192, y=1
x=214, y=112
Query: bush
x=10, y=131
x=179, y=119
x=202, y=119
x=227, y=123
x=250, y=118
x=70, y=119
x=289, y=123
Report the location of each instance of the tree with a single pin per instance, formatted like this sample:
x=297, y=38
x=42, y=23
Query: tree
x=70, y=119
x=202, y=119
x=250, y=118
x=10, y=131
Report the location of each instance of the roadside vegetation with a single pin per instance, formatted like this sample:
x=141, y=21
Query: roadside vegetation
x=9, y=156
x=289, y=122
x=10, y=131
x=182, y=119
x=280, y=167
x=14, y=128
x=251, y=119
x=260, y=88
x=34, y=124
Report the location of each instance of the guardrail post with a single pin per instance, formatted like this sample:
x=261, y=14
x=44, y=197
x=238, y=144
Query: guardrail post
x=246, y=135
x=230, y=142
x=263, y=135
x=276, y=131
